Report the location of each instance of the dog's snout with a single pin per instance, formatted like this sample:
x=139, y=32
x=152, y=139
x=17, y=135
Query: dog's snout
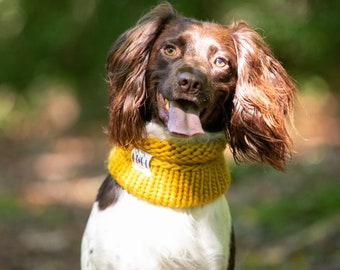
x=189, y=82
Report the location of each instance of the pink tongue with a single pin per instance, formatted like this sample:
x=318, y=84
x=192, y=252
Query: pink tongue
x=184, y=120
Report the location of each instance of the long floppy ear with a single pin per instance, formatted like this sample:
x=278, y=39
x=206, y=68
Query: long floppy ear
x=126, y=67
x=263, y=100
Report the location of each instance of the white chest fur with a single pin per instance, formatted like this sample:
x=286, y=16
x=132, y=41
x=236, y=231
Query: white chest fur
x=133, y=234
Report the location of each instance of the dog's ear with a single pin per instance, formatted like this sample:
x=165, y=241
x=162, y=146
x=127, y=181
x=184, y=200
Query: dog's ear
x=262, y=103
x=126, y=67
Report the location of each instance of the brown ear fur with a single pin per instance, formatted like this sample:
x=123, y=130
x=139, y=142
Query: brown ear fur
x=126, y=66
x=263, y=100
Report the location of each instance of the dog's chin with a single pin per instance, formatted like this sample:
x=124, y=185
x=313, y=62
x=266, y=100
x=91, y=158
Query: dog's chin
x=158, y=129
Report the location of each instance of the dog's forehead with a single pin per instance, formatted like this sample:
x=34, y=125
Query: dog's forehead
x=199, y=35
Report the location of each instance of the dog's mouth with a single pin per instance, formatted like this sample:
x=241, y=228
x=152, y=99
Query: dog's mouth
x=182, y=117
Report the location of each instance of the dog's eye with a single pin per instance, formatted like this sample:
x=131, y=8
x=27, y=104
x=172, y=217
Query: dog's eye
x=169, y=50
x=220, y=62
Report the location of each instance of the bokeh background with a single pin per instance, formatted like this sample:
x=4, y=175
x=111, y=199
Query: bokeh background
x=53, y=100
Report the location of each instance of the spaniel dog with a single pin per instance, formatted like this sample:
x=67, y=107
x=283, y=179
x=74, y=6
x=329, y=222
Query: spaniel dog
x=180, y=91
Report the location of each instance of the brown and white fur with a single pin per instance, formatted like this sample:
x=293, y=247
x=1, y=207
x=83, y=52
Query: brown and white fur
x=218, y=81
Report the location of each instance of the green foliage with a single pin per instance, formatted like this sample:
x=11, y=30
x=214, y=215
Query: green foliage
x=11, y=210
x=294, y=212
x=14, y=211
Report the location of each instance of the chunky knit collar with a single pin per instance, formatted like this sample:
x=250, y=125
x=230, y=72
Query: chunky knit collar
x=172, y=174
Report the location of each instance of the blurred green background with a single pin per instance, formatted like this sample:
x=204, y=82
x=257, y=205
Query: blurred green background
x=53, y=100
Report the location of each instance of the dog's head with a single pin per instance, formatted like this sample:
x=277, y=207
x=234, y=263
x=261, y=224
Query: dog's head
x=195, y=77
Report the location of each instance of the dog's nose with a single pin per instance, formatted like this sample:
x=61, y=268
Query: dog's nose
x=189, y=82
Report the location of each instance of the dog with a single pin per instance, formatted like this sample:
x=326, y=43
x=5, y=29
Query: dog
x=180, y=90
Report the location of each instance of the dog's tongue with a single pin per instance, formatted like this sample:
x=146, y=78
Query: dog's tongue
x=184, y=119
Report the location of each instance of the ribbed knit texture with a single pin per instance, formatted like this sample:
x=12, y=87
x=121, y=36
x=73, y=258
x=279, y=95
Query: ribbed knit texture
x=182, y=175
